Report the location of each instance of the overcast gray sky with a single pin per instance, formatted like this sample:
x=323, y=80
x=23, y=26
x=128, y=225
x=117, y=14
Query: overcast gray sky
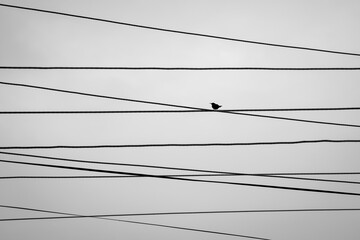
x=39, y=39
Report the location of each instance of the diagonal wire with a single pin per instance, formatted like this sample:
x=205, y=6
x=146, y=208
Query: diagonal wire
x=174, y=105
x=172, y=175
x=136, y=222
x=174, y=213
x=182, y=179
x=188, y=175
x=213, y=172
x=180, y=32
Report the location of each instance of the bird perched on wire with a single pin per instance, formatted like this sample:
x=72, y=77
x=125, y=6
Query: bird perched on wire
x=215, y=106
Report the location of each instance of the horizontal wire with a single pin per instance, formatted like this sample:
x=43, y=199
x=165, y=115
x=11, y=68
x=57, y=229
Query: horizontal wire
x=136, y=222
x=214, y=173
x=183, y=179
x=182, y=32
x=182, y=111
x=185, y=144
x=185, y=213
x=177, y=106
x=185, y=68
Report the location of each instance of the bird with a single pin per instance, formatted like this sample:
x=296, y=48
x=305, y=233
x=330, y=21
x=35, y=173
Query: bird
x=215, y=106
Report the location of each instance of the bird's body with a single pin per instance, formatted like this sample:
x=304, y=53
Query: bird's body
x=215, y=106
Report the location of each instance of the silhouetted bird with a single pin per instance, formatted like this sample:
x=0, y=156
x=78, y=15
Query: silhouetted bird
x=215, y=106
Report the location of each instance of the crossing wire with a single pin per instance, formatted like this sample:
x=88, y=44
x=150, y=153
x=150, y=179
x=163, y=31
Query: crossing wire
x=137, y=222
x=177, y=213
x=174, y=105
x=182, y=111
x=180, y=32
x=183, y=179
x=213, y=173
x=172, y=175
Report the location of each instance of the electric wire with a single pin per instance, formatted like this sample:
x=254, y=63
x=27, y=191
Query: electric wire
x=185, y=68
x=182, y=179
x=153, y=145
x=177, y=213
x=172, y=175
x=182, y=111
x=177, y=106
x=188, y=175
x=180, y=32
x=213, y=172
x=137, y=222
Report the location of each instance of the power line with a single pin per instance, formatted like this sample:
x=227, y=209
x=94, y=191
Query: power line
x=177, y=106
x=316, y=179
x=172, y=175
x=136, y=222
x=180, y=213
x=182, y=179
x=181, y=32
x=58, y=177
x=173, y=105
x=185, y=68
x=96, y=95
x=183, y=111
x=186, y=144
x=185, y=175
x=213, y=172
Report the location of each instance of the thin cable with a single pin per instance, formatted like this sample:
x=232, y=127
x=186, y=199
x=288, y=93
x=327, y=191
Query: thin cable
x=217, y=173
x=316, y=179
x=59, y=177
x=172, y=175
x=319, y=173
x=183, y=111
x=188, y=175
x=185, y=144
x=177, y=106
x=186, y=68
x=181, y=32
x=135, y=222
x=177, y=213
x=183, y=179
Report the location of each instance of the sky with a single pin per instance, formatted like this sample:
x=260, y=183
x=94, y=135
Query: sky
x=38, y=39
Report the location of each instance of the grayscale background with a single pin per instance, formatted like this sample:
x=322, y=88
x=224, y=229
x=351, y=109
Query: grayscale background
x=38, y=39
